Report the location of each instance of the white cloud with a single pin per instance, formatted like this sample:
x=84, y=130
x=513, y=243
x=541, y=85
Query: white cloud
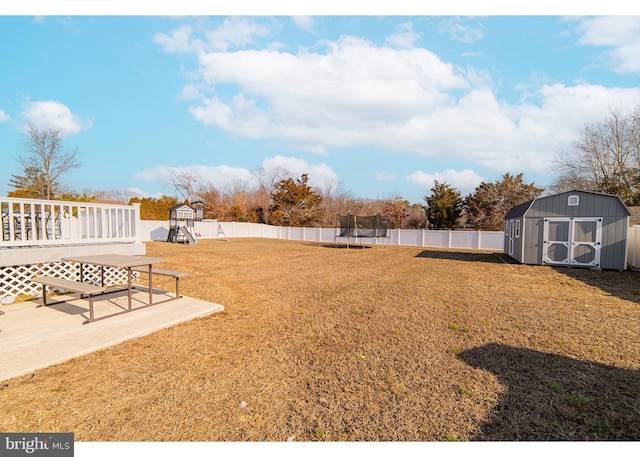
x=356, y=94
x=190, y=92
x=464, y=180
x=54, y=115
x=320, y=175
x=224, y=176
x=404, y=38
x=620, y=34
x=459, y=30
x=332, y=99
x=608, y=30
x=241, y=116
x=384, y=176
x=303, y=22
x=525, y=137
x=136, y=192
x=221, y=176
x=4, y=117
x=233, y=32
x=178, y=41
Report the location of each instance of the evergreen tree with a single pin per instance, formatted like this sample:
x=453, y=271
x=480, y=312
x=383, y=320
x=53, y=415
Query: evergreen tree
x=155, y=209
x=295, y=203
x=489, y=204
x=30, y=185
x=444, y=206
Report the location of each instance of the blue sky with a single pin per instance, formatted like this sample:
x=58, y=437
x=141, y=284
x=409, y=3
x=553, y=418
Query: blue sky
x=377, y=106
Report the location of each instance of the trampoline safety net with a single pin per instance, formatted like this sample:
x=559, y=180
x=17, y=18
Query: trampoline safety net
x=352, y=226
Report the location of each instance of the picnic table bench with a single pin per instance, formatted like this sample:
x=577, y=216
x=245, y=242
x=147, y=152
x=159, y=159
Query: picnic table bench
x=81, y=288
x=156, y=271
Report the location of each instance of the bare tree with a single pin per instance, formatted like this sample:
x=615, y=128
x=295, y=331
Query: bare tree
x=116, y=195
x=184, y=182
x=44, y=154
x=334, y=200
x=212, y=201
x=266, y=179
x=605, y=158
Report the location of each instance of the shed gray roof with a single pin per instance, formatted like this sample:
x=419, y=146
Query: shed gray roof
x=520, y=210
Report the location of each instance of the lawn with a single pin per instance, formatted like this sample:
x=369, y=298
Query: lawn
x=319, y=343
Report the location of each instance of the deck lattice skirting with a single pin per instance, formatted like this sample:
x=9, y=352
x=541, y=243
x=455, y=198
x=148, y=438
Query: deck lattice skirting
x=16, y=280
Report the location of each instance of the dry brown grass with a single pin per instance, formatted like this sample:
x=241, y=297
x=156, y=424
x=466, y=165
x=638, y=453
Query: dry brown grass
x=325, y=344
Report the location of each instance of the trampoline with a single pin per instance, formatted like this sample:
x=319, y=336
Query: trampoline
x=352, y=228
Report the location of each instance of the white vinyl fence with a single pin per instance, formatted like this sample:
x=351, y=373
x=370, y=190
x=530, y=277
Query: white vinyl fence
x=210, y=229
x=451, y=239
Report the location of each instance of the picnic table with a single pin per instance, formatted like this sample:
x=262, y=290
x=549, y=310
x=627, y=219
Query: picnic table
x=118, y=261
x=132, y=263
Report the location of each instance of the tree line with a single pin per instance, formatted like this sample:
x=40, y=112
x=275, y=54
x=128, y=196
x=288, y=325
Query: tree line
x=286, y=201
x=605, y=158
x=293, y=202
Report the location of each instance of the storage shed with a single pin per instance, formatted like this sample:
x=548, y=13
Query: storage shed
x=576, y=228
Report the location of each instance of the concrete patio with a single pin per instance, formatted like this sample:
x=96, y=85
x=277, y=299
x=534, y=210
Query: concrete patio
x=32, y=338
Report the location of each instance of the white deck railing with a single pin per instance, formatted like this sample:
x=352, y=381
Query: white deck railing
x=30, y=222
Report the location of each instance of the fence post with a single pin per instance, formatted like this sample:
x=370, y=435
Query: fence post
x=136, y=223
x=449, y=239
x=479, y=243
x=634, y=246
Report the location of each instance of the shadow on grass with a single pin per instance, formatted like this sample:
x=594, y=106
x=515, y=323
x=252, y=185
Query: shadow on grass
x=622, y=284
x=341, y=246
x=488, y=257
x=554, y=398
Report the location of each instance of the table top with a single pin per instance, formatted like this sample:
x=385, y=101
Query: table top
x=114, y=260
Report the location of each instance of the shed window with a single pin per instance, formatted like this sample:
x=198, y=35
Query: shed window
x=574, y=200
x=517, y=229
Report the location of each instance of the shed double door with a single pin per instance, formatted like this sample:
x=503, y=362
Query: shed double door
x=572, y=241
